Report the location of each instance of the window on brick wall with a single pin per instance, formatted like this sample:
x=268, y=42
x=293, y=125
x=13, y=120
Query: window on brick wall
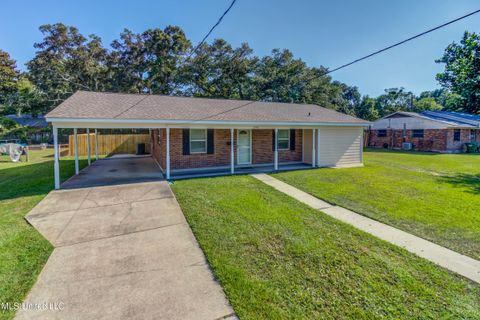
x=382, y=133
x=283, y=139
x=417, y=133
x=198, y=140
x=456, y=135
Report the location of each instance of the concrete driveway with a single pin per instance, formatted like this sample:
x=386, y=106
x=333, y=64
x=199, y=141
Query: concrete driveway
x=121, y=252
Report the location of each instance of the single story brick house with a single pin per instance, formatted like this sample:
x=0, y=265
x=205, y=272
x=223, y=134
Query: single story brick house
x=437, y=131
x=218, y=136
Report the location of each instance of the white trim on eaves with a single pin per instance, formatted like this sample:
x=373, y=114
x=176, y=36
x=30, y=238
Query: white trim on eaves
x=172, y=123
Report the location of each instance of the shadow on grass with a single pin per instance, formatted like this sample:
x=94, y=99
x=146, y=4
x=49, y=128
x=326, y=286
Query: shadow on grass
x=32, y=179
x=464, y=180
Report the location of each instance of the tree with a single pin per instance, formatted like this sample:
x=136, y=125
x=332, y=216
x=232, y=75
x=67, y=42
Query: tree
x=350, y=99
x=427, y=103
x=394, y=99
x=8, y=76
x=462, y=70
x=280, y=77
x=367, y=109
x=66, y=61
x=220, y=71
x=148, y=62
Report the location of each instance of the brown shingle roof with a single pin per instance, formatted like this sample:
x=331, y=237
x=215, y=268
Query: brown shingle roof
x=96, y=105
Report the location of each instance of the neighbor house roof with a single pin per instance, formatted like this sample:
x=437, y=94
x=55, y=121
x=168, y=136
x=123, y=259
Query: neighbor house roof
x=449, y=118
x=29, y=120
x=117, y=106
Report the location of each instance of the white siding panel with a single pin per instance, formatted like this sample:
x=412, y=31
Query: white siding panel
x=340, y=146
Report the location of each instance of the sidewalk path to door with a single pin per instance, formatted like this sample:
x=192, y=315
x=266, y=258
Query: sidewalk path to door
x=451, y=260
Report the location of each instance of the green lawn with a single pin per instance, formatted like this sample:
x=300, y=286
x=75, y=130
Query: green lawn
x=277, y=258
x=434, y=196
x=23, y=251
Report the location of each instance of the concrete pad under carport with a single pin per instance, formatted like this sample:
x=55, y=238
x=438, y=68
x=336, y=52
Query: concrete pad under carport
x=122, y=252
x=116, y=170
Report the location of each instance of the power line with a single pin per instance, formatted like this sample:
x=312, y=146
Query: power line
x=369, y=55
x=399, y=43
x=205, y=38
x=212, y=28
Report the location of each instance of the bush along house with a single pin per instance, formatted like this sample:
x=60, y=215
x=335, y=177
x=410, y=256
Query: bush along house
x=437, y=131
x=199, y=136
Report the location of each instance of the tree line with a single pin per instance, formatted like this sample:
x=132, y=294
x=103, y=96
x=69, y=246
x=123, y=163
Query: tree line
x=162, y=61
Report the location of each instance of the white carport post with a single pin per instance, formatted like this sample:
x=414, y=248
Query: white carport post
x=75, y=146
x=168, y=154
x=318, y=147
x=313, y=148
x=232, y=153
x=56, y=164
x=88, y=147
x=96, y=144
x=275, y=153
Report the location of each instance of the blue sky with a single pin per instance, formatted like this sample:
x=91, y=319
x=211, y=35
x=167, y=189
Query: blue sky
x=320, y=32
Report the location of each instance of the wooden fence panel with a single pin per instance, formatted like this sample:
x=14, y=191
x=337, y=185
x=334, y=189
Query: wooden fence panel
x=109, y=143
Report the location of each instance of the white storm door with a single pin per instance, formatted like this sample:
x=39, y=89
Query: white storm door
x=244, y=146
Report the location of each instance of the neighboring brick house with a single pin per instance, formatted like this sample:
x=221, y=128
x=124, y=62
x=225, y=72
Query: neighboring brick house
x=218, y=136
x=437, y=131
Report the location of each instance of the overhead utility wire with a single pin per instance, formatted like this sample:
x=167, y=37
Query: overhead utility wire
x=367, y=56
x=401, y=42
x=212, y=28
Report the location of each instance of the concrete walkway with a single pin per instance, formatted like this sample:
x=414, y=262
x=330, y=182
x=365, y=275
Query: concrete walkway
x=451, y=260
x=122, y=252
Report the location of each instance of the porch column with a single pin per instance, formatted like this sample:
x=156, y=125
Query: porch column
x=232, y=153
x=318, y=147
x=313, y=148
x=88, y=147
x=56, y=164
x=168, y=154
x=275, y=153
x=96, y=144
x=75, y=147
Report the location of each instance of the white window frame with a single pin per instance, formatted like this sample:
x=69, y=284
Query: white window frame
x=196, y=140
x=287, y=138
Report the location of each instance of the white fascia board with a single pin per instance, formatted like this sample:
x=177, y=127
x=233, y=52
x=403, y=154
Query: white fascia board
x=133, y=123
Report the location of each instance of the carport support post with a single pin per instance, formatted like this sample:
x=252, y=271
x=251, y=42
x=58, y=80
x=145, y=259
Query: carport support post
x=56, y=164
x=275, y=153
x=168, y=154
x=75, y=146
x=313, y=148
x=96, y=145
x=88, y=147
x=232, y=153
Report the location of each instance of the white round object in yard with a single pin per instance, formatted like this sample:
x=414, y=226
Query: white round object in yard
x=15, y=155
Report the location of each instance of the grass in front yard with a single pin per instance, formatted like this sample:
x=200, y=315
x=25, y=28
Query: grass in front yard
x=434, y=196
x=277, y=258
x=23, y=251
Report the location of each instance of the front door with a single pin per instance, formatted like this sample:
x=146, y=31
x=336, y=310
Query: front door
x=244, y=146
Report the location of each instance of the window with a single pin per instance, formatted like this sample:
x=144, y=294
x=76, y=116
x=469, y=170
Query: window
x=456, y=135
x=283, y=139
x=473, y=135
x=198, y=140
x=417, y=133
x=382, y=133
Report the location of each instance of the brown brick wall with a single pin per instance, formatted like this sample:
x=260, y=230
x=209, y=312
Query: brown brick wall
x=438, y=140
x=261, y=149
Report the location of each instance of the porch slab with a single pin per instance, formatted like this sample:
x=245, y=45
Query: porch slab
x=213, y=172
